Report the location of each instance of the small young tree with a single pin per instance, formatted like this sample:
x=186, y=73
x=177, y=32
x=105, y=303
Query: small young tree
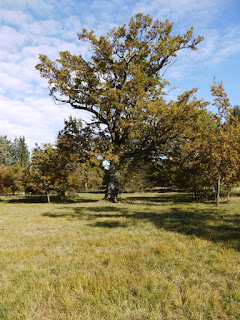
x=15, y=176
x=43, y=174
x=86, y=176
x=4, y=179
x=186, y=156
x=221, y=144
x=210, y=153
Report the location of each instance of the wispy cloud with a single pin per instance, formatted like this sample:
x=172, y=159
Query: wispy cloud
x=38, y=120
x=37, y=6
x=14, y=17
x=194, y=11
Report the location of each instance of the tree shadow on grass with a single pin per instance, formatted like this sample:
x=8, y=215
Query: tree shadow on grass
x=84, y=213
x=161, y=197
x=109, y=224
x=53, y=199
x=211, y=224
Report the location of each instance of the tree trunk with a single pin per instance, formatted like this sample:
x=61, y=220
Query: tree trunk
x=195, y=186
x=218, y=189
x=61, y=193
x=48, y=197
x=228, y=194
x=111, y=192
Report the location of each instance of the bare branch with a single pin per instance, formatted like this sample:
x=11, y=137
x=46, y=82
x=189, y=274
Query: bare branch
x=168, y=66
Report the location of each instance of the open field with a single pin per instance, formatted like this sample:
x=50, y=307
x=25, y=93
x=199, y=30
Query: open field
x=151, y=256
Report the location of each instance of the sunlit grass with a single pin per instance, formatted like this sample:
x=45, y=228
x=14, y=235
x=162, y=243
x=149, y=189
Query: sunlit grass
x=150, y=256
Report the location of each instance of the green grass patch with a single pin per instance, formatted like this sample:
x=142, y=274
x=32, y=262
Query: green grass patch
x=150, y=256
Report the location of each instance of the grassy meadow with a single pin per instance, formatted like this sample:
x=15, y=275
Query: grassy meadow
x=150, y=256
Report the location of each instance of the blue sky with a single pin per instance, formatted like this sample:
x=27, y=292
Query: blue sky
x=30, y=27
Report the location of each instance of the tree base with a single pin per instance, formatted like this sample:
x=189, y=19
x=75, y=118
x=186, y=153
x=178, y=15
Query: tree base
x=112, y=188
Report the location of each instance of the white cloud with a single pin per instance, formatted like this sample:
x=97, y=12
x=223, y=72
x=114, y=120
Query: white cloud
x=73, y=23
x=43, y=27
x=14, y=17
x=227, y=45
x=176, y=10
x=36, y=5
x=11, y=38
x=20, y=55
x=39, y=120
x=217, y=46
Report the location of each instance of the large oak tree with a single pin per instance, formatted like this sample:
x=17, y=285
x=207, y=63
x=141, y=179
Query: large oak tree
x=122, y=86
